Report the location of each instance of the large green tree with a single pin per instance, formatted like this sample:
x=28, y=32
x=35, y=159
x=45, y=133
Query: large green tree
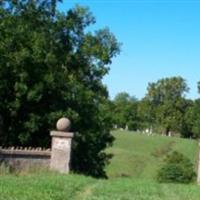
x=52, y=66
x=167, y=98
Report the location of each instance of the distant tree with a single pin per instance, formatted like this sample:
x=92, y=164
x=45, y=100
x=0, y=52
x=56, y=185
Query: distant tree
x=146, y=114
x=50, y=67
x=192, y=120
x=125, y=111
x=167, y=98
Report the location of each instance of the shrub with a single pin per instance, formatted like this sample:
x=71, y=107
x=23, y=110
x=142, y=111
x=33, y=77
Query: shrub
x=177, y=169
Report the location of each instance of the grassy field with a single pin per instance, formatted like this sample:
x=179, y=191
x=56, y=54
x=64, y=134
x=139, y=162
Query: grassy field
x=140, y=156
x=132, y=171
x=74, y=187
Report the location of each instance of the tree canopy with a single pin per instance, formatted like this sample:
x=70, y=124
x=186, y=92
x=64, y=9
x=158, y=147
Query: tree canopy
x=167, y=98
x=124, y=111
x=52, y=66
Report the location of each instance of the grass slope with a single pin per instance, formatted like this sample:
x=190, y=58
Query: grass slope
x=135, y=155
x=140, y=156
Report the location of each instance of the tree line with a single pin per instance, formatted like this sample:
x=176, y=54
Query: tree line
x=164, y=109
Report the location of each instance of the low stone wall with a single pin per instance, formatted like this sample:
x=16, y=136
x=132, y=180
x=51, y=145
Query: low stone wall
x=57, y=159
x=24, y=158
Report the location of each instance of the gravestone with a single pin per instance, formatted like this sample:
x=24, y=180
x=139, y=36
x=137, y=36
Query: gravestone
x=61, y=146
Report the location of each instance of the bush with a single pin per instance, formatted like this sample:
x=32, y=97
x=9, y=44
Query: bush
x=177, y=169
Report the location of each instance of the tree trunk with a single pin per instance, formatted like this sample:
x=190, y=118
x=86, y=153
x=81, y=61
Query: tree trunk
x=167, y=131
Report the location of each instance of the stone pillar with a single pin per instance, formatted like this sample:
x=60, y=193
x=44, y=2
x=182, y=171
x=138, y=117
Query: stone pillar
x=61, y=146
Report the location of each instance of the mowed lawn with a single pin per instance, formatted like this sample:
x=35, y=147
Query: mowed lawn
x=131, y=175
x=139, y=156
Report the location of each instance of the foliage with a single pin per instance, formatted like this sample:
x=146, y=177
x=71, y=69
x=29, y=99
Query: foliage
x=177, y=169
x=164, y=109
x=192, y=119
x=167, y=98
x=146, y=114
x=50, y=67
x=125, y=111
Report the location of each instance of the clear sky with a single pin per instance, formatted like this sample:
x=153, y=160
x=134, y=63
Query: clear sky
x=159, y=39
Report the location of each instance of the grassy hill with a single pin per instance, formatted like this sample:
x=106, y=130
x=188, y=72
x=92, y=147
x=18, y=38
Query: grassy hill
x=131, y=172
x=140, y=156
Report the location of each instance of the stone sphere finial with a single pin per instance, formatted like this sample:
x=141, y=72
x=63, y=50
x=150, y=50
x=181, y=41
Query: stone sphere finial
x=63, y=124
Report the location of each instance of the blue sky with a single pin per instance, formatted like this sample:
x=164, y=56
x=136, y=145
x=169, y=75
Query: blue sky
x=159, y=39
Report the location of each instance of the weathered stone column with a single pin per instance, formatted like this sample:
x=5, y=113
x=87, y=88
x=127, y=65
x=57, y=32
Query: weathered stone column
x=61, y=146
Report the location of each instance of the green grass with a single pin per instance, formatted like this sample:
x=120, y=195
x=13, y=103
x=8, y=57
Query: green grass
x=44, y=187
x=135, y=155
x=133, y=189
x=74, y=187
x=140, y=156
